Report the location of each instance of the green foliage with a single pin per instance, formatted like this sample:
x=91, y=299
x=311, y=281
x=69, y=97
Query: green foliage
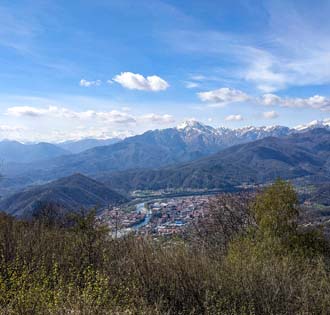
x=269, y=265
x=277, y=267
x=276, y=211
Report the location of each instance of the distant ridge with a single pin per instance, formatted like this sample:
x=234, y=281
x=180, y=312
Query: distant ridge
x=72, y=193
x=77, y=146
x=153, y=149
x=14, y=151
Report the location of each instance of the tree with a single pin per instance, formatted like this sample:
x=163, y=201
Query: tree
x=228, y=216
x=276, y=211
x=276, y=230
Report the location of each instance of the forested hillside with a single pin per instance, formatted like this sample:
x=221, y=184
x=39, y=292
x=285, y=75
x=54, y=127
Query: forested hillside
x=71, y=193
x=303, y=155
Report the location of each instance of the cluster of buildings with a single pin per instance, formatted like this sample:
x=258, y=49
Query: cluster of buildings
x=118, y=219
x=158, y=217
x=174, y=215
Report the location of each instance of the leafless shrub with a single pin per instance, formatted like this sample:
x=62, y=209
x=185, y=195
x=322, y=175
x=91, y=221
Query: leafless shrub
x=228, y=215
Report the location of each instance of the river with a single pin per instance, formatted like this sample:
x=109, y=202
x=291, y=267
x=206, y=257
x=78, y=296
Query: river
x=139, y=208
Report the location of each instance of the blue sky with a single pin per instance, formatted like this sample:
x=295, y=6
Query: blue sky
x=103, y=68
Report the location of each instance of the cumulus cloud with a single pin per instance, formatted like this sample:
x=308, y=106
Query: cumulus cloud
x=314, y=102
x=65, y=113
x=86, y=83
x=270, y=99
x=57, y=123
x=234, y=118
x=155, y=118
x=114, y=116
x=223, y=96
x=135, y=81
x=19, y=111
x=270, y=115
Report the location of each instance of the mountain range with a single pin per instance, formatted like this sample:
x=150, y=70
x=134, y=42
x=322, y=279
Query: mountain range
x=77, y=146
x=147, y=160
x=300, y=155
x=14, y=151
x=152, y=149
x=189, y=140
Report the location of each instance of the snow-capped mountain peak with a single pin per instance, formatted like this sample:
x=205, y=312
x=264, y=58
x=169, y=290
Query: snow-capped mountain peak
x=199, y=134
x=190, y=124
x=195, y=126
x=314, y=124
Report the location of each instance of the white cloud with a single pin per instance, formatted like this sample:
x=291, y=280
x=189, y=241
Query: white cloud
x=191, y=85
x=75, y=117
x=234, y=118
x=57, y=123
x=115, y=116
x=199, y=77
x=265, y=71
x=314, y=102
x=12, y=132
x=10, y=129
x=155, y=118
x=271, y=72
x=270, y=115
x=223, y=96
x=135, y=81
x=7, y=128
x=86, y=83
x=65, y=113
x=19, y=111
x=81, y=132
x=291, y=49
x=269, y=99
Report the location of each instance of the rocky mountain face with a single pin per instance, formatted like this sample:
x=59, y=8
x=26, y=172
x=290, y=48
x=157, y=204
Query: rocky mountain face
x=204, y=136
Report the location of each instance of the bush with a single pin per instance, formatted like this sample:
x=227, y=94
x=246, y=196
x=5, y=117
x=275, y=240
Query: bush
x=248, y=258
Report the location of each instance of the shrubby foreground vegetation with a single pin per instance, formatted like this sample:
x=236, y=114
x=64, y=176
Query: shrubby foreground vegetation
x=246, y=258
